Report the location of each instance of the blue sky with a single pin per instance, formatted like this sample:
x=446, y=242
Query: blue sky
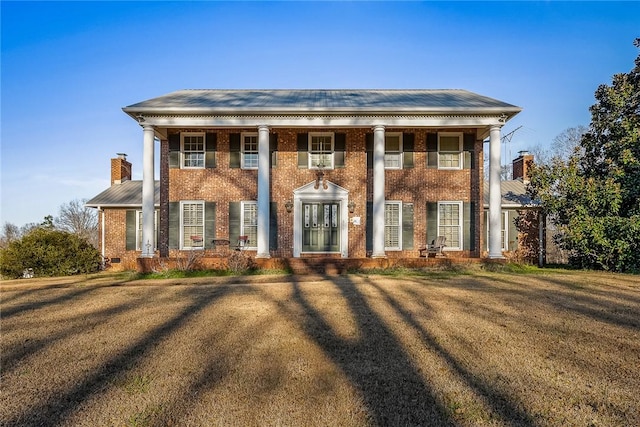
x=68, y=68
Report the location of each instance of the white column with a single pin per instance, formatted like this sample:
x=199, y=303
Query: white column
x=148, y=196
x=263, y=192
x=495, y=196
x=378, y=192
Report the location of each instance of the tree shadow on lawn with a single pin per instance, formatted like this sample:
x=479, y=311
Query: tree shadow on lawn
x=46, y=303
x=502, y=404
x=617, y=307
x=58, y=408
x=375, y=364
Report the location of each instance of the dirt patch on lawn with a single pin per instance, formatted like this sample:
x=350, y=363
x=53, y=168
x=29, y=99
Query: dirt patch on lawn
x=354, y=350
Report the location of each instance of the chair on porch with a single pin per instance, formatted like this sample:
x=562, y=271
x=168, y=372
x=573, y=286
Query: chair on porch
x=242, y=242
x=435, y=247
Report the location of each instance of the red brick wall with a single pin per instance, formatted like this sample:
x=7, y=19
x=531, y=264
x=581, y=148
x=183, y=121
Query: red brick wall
x=222, y=185
x=115, y=240
x=418, y=185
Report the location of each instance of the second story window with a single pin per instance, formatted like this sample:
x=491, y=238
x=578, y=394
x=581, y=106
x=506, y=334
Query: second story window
x=249, y=151
x=449, y=150
x=321, y=150
x=193, y=150
x=393, y=151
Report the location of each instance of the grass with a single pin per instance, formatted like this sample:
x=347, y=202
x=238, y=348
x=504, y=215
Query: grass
x=469, y=347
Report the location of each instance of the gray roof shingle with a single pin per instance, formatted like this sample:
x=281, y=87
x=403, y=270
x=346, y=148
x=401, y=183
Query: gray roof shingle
x=514, y=193
x=319, y=100
x=126, y=194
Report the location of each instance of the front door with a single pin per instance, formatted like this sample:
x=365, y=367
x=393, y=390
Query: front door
x=321, y=227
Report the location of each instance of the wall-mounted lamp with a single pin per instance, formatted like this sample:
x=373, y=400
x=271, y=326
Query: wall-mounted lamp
x=288, y=205
x=351, y=206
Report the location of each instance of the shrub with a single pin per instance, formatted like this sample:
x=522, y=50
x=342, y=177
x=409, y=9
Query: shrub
x=239, y=262
x=49, y=253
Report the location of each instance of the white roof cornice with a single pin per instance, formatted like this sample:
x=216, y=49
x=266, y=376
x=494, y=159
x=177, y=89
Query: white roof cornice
x=323, y=120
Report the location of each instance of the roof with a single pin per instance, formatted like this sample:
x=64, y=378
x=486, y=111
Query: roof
x=322, y=100
x=125, y=194
x=514, y=194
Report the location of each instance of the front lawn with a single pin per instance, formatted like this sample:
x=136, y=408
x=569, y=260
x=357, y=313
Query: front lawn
x=487, y=348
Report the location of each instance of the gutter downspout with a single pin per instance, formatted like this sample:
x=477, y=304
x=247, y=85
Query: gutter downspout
x=102, y=235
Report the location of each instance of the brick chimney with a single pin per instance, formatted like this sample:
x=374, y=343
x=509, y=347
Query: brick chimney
x=120, y=169
x=521, y=166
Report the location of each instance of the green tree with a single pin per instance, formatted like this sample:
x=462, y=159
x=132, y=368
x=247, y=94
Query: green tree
x=593, y=196
x=49, y=252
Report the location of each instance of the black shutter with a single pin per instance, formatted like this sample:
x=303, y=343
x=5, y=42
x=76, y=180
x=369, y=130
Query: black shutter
x=303, y=151
x=369, y=150
x=513, y=230
x=211, y=146
x=234, y=222
x=339, y=149
x=407, y=226
x=408, y=147
x=209, y=224
x=468, y=226
x=369, y=228
x=174, y=150
x=234, y=150
x=432, y=150
x=273, y=225
x=273, y=149
x=468, y=146
x=130, y=230
x=174, y=225
x=432, y=221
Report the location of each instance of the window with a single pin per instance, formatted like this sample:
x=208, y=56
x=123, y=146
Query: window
x=249, y=151
x=139, y=229
x=321, y=150
x=192, y=225
x=249, y=224
x=393, y=151
x=393, y=226
x=192, y=150
x=504, y=235
x=449, y=150
x=450, y=224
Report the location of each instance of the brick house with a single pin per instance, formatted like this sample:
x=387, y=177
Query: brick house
x=305, y=173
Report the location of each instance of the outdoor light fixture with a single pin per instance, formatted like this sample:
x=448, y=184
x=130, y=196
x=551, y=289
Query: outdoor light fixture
x=288, y=205
x=351, y=206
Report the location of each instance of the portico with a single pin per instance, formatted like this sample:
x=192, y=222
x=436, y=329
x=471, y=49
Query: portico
x=287, y=114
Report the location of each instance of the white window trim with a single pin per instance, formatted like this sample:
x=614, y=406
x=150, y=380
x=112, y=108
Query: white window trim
x=447, y=246
x=191, y=202
x=251, y=245
x=204, y=149
x=460, y=141
x=400, y=153
x=505, y=218
x=399, y=203
x=139, y=228
x=333, y=143
x=242, y=148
